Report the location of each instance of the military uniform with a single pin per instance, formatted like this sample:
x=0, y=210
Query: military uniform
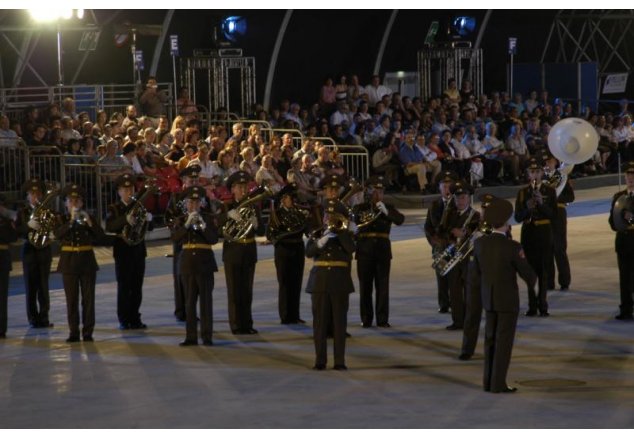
x=560, y=240
x=129, y=260
x=537, y=237
x=289, y=255
x=374, y=256
x=36, y=264
x=7, y=236
x=330, y=283
x=197, y=266
x=78, y=266
x=624, y=247
x=495, y=262
x=240, y=257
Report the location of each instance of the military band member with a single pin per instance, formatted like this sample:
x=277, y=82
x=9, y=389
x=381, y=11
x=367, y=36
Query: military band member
x=176, y=208
x=330, y=284
x=77, y=232
x=560, y=230
x=623, y=225
x=535, y=208
x=129, y=260
x=374, y=252
x=493, y=269
x=239, y=257
x=461, y=223
x=435, y=228
x=196, y=231
x=286, y=228
x=36, y=261
x=7, y=236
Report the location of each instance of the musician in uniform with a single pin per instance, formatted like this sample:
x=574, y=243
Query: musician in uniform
x=461, y=223
x=493, y=269
x=77, y=231
x=560, y=228
x=175, y=208
x=129, y=256
x=240, y=256
x=330, y=283
x=535, y=208
x=374, y=251
x=622, y=222
x=435, y=228
x=7, y=236
x=36, y=259
x=196, y=232
x=286, y=227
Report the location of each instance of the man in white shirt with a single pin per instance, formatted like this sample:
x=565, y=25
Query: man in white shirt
x=376, y=91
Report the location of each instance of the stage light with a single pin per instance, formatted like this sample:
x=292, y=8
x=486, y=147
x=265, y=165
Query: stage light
x=463, y=26
x=233, y=28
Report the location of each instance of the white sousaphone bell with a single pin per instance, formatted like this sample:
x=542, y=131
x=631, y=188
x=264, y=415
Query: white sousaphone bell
x=571, y=141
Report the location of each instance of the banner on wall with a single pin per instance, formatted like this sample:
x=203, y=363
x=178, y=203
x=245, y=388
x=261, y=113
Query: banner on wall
x=615, y=83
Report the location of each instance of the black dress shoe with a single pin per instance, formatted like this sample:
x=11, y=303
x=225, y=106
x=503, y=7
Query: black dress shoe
x=208, y=342
x=340, y=367
x=530, y=313
x=250, y=331
x=319, y=367
x=181, y=318
x=544, y=313
x=300, y=321
x=564, y=288
x=138, y=325
x=506, y=390
x=366, y=325
x=188, y=343
x=124, y=326
x=3, y=335
x=465, y=357
x=443, y=309
x=348, y=335
x=286, y=322
x=453, y=327
x=235, y=331
x=384, y=325
x=88, y=338
x=72, y=339
x=624, y=316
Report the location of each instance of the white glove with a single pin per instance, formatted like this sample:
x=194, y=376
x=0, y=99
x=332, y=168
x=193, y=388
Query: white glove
x=323, y=240
x=203, y=225
x=148, y=217
x=191, y=218
x=381, y=206
x=130, y=219
x=331, y=235
x=234, y=215
x=352, y=227
x=34, y=224
x=73, y=213
x=254, y=222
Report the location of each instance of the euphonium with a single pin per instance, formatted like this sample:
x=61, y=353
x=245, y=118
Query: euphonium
x=235, y=230
x=133, y=234
x=46, y=218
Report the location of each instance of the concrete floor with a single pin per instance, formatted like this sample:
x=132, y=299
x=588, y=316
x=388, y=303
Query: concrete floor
x=574, y=369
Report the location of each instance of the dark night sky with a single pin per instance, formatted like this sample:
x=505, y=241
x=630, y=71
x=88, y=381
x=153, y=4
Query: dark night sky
x=317, y=44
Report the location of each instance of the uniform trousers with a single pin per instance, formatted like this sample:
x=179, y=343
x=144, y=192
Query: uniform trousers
x=537, y=241
x=130, y=272
x=4, y=300
x=330, y=307
x=374, y=272
x=456, y=279
x=36, y=268
x=443, y=291
x=179, y=293
x=199, y=286
x=472, y=319
x=239, y=277
x=289, y=265
x=626, y=281
x=74, y=285
x=498, y=346
x=560, y=250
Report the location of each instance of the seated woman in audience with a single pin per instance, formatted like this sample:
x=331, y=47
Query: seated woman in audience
x=248, y=164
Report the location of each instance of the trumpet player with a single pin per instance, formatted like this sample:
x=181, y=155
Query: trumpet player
x=77, y=231
x=535, y=208
x=36, y=259
x=129, y=260
x=196, y=233
x=330, y=283
x=623, y=225
x=239, y=257
x=374, y=219
x=7, y=236
x=286, y=228
x=461, y=223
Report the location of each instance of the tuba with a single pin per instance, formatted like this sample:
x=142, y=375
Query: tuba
x=46, y=218
x=133, y=234
x=622, y=205
x=235, y=230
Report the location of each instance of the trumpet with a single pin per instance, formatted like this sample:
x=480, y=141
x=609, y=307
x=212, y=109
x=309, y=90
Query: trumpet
x=81, y=217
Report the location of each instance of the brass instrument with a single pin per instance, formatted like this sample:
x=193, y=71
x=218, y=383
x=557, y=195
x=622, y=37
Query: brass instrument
x=622, y=205
x=133, y=234
x=368, y=216
x=81, y=217
x=285, y=222
x=557, y=179
x=197, y=224
x=354, y=187
x=46, y=218
x=455, y=253
x=235, y=230
x=438, y=250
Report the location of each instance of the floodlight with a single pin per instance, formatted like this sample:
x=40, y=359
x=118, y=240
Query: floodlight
x=233, y=28
x=463, y=26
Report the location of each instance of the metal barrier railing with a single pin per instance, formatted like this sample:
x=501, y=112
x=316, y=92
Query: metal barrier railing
x=12, y=167
x=298, y=136
x=355, y=159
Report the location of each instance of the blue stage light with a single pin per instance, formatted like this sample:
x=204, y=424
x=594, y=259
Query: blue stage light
x=463, y=26
x=233, y=28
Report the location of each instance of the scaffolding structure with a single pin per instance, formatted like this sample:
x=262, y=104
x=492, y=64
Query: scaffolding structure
x=227, y=82
x=437, y=65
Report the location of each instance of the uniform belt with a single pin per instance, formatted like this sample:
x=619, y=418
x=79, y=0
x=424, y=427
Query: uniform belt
x=81, y=248
x=331, y=264
x=374, y=235
x=244, y=241
x=541, y=222
x=4, y=247
x=563, y=205
x=197, y=246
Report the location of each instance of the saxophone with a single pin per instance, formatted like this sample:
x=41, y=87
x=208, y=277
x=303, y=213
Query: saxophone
x=133, y=234
x=46, y=218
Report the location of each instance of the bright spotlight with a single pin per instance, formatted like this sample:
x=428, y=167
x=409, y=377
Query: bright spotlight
x=463, y=26
x=233, y=28
x=49, y=15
